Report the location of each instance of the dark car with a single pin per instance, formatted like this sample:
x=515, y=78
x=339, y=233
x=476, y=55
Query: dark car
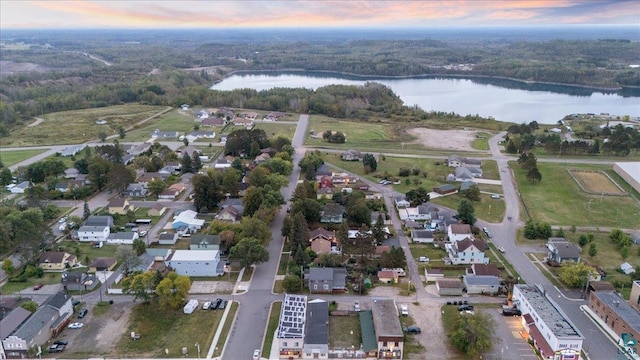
x=61, y=342
x=56, y=348
x=75, y=302
x=37, y=286
x=82, y=313
x=465, y=308
x=412, y=330
x=216, y=304
x=223, y=304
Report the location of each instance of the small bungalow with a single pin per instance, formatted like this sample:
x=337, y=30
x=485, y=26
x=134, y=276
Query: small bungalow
x=445, y=189
x=229, y=213
x=71, y=173
x=332, y=213
x=102, y=264
x=122, y=238
x=167, y=238
x=56, y=260
x=433, y=274
x=449, y=287
x=20, y=188
x=627, y=268
x=324, y=193
x=351, y=155
x=157, y=210
x=481, y=284
x=205, y=242
x=168, y=194
x=388, y=276
x=562, y=250
x=119, y=206
x=78, y=281
x=422, y=236
x=136, y=190
x=401, y=202
x=485, y=269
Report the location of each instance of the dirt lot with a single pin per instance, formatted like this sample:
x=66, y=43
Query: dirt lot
x=444, y=139
x=596, y=182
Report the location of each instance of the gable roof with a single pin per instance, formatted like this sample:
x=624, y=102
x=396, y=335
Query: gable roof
x=12, y=321
x=205, y=239
x=564, y=248
x=321, y=232
x=117, y=202
x=55, y=257
x=461, y=229
x=369, y=341
x=332, y=209
x=486, y=269
x=103, y=262
x=96, y=220
x=317, y=327
x=487, y=280
x=467, y=243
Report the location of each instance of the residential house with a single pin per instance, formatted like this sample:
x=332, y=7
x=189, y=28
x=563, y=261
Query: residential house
x=325, y=182
x=291, y=326
x=203, y=114
x=381, y=249
x=99, y=220
x=252, y=115
x=464, y=173
x=627, y=268
x=56, y=260
x=376, y=214
x=422, y=236
x=449, y=287
x=261, y=158
x=323, y=241
x=561, y=250
x=457, y=161
x=136, y=190
x=20, y=188
x=167, y=238
x=168, y=194
x=157, y=134
x=351, y=155
x=72, y=150
x=481, y=284
x=433, y=274
x=467, y=251
x=229, y=213
x=184, y=107
x=78, y=281
x=445, y=189
x=401, y=202
x=419, y=213
x=140, y=149
x=127, y=159
x=154, y=259
x=12, y=320
x=188, y=150
x=187, y=218
x=196, y=263
x=545, y=323
x=102, y=264
x=94, y=234
x=122, y=238
x=332, y=213
x=119, y=206
x=413, y=225
x=486, y=269
x=47, y=322
x=389, y=335
x=273, y=116
x=327, y=280
x=205, y=242
x=146, y=177
x=157, y=210
x=71, y=173
x=235, y=202
x=241, y=121
x=195, y=135
x=316, y=335
x=14, y=348
x=324, y=193
x=221, y=164
x=213, y=121
x=457, y=232
x=169, y=170
x=388, y=276
x=467, y=185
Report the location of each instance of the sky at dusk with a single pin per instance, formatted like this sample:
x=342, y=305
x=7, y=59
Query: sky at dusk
x=60, y=14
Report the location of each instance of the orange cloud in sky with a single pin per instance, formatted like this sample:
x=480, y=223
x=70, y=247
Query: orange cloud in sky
x=199, y=14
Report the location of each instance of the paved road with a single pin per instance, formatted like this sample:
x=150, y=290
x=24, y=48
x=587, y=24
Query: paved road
x=252, y=316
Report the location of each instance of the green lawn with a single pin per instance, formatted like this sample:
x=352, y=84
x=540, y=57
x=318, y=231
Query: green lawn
x=487, y=209
x=78, y=126
x=275, y=129
x=481, y=142
x=171, y=331
x=225, y=329
x=17, y=287
x=172, y=121
x=558, y=200
x=344, y=332
x=10, y=158
x=272, y=325
x=359, y=135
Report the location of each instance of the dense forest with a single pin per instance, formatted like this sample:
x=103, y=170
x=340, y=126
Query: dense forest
x=49, y=72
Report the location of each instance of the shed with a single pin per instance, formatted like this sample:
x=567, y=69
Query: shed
x=445, y=189
x=481, y=284
x=433, y=274
x=449, y=287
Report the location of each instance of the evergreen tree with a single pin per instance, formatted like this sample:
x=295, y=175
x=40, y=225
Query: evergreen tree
x=187, y=165
x=196, y=162
x=466, y=213
x=86, y=211
x=378, y=230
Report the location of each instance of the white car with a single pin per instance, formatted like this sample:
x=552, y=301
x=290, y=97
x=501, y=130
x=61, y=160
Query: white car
x=62, y=220
x=75, y=325
x=404, y=310
x=501, y=249
x=423, y=259
x=62, y=227
x=143, y=233
x=356, y=306
x=256, y=354
x=206, y=305
x=495, y=196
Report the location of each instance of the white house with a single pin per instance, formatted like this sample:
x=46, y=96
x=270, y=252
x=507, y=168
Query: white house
x=196, y=263
x=187, y=218
x=414, y=213
x=88, y=233
x=422, y=236
x=467, y=251
x=481, y=284
x=548, y=327
x=457, y=232
x=122, y=238
x=20, y=188
x=401, y=202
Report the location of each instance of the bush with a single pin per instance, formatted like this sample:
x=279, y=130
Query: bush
x=404, y=172
x=18, y=279
x=30, y=271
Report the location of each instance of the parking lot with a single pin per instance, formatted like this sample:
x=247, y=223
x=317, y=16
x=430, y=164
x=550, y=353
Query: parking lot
x=508, y=343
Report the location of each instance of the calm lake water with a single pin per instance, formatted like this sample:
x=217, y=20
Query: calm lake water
x=505, y=100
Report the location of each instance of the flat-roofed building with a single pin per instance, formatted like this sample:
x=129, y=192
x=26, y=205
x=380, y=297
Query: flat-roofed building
x=316, y=337
x=630, y=172
x=389, y=333
x=613, y=310
x=551, y=331
x=291, y=327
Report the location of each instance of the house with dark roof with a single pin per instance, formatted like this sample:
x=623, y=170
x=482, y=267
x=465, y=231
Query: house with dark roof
x=136, y=190
x=12, y=321
x=457, y=232
x=316, y=335
x=99, y=220
x=78, y=281
x=229, y=213
x=157, y=134
x=235, y=202
x=122, y=238
x=559, y=250
x=485, y=269
x=102, y=264
x=71, y=173
x=467, y=251
x=422, y=236
x=324, y=193
x=56, y=260
x=351, y=155
x=326, y=280
x=386, y=323
x=449, y=287
x=167, y=238
x=47, y=322
x=445, y=189
x=205, y=242
x=332, y=213
x=157, y=210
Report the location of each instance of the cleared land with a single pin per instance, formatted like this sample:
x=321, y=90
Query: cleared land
x=558, y=200
x=596, y=182
x=344, y=332
x=174, y=120
x=458, y=140
x=78, y=126
x=10, y=158
x=275, y=129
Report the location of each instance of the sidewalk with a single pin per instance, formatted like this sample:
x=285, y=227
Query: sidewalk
x=239, y=284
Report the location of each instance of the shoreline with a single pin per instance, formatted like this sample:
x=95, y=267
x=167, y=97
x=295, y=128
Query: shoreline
x=442, y=75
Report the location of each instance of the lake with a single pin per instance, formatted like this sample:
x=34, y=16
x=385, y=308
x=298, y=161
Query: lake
x=504, y=100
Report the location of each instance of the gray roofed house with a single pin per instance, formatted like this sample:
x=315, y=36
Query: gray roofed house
x=422, y=236
x=12, y=321
x=327, y=280
x=351, y=155
x=481, y=284
x=205, y=242
x=332, y=213
x=97, y=220
x=562, y=250
x=122, y=238
x=71, y=173
x=165, y=134
x=466, y=185
x=78, y=281
x=48, y=320
x=136, y=190
x=237, y=203
x=72, y=150
x=316, y=337
x=464, y=173
x=167, y=238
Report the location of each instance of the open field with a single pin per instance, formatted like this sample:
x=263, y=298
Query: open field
x=78, y=126
x=10, y=158
x=487, y=209
x=558, y=200
x=174, y=120
x=275, y=129
x=171, y=331
x=344, y=332
x=596, y=182
x=455, y=140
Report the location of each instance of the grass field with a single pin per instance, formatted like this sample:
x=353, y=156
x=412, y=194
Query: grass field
x=174, y=120
x=487, y=209
x=596, y=182
x=558, y=200
x=274, y=129
x=10, y=158
x=272, y=325
x=359, y=135
x=344, y=332
x=225, y=330
x=481, y=142
x=78, y=126
x=170, y=331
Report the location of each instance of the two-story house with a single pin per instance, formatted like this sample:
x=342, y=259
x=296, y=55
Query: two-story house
x=467, y=251
x=327, y=280
x=457, y=232
x=562, y=250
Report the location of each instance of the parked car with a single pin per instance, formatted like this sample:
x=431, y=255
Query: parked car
x=467, y=312
x=223, y=304
x=256, y=354
x=75, y=325
x=404, y=310
x=62, y=220
x=206, y=305
x=495, y=196
x=56, y=348
x=423, y=259
x=501, y=249
x=412, y=329
x=75, y=302
x=486, y=231
x=143, y=233
x=216, y=304
x=356, y=306
x=465, y=307
x=82, y=313
x=61, y=342
x=37, y=286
